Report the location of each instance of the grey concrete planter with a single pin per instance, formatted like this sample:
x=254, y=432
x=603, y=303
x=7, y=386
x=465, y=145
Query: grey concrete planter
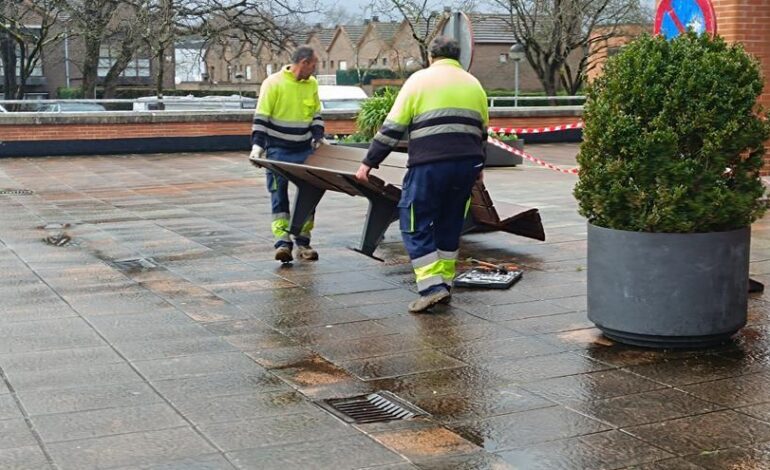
x=497, y=157
x=668, y=289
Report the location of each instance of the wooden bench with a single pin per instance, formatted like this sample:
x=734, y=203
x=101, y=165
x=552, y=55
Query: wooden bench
x=333, y=168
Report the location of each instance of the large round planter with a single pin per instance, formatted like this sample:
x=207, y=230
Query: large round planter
x=668, y=290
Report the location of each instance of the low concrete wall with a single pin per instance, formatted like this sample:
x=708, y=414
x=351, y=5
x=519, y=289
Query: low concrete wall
x=47, y=134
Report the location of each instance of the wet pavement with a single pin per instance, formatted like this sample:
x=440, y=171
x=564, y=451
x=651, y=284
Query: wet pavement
x=144, y=324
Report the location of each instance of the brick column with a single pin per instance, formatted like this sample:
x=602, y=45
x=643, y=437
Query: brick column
x=748, y=22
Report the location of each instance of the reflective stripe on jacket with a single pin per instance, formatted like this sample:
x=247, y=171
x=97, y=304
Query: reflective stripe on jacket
x=443, y=112
x=288, y=112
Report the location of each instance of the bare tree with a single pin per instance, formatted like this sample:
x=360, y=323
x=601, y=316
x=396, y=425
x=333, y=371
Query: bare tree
x=552, y=30
x=245, y=23
x=21, y=46
x=421, y=17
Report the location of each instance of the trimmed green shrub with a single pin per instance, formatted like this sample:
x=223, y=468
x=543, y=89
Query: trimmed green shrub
x=673, y=138
x=373, y=113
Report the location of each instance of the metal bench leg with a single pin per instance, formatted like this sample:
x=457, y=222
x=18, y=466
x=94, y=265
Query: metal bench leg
x=308, y=197
x=382, y=212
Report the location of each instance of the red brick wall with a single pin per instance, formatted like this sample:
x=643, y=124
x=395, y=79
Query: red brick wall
x=748, y=22
x=199, y=129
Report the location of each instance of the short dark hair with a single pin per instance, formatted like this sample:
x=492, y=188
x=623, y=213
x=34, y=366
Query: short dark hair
x=302, y=53
x=445, y=47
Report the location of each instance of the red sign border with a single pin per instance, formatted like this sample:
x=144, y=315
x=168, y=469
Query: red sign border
x=706, y=7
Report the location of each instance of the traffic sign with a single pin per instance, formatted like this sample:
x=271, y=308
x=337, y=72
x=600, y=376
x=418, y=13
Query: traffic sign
x=458, y=26
x=674, y=17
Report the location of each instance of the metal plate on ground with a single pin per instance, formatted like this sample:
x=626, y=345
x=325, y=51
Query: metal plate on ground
x=376, y=407
x=487, y=279
x=16, y=192
x=136, y=264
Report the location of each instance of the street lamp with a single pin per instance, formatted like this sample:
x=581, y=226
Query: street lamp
x=516, y=53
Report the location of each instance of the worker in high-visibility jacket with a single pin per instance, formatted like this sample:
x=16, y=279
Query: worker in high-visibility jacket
x=288, y=127
x=443, y=111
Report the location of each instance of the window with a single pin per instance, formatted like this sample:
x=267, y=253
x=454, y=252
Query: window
x=136, y=68
x=384, y=61
x=611, y=51
x=331, y=64
x=37, y=70
x=269, y=69
x=323, y=65
x=343, y=65
x=248, y=72
x=503, y=58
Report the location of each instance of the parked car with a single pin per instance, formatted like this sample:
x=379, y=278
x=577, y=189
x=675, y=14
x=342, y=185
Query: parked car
x=341, y=98
x=192, y=103
x=69, y=107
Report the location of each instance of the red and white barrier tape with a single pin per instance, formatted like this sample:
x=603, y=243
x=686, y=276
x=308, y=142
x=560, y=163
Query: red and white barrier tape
x=515, y=151
x=535, y=130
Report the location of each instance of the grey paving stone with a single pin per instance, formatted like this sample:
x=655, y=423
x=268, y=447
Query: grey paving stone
x=73, y=376
x=92, y=397
x=359, y=348
x=481, y=352
x=15, y=433
x=198, y=365
x=470, y=405
x=355, y=330
x=747, y=389
x=277, y=430
x=478, y=460
x=117, y=304
x=129, y=449
x=695, y=369
x=499, y=313
x=715, y=431
x=154, y=326
x=62, y=358
x=608, y=450
x=551, y=323
x=39, y=309
x=543, y=367
x=8, y=407
x=204, y=462
x=528, y=427
x=65, y=333
x=400, y=364
x=591, y=386
x=642, y=408
x=241, y=407
x=214, y=385
x=106, y=422
x=353, y=452
x=138, y=349
x=24, y=458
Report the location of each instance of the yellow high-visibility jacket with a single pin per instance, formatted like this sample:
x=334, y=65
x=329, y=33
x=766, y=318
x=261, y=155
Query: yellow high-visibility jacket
x=443, y=110
x=288, y=112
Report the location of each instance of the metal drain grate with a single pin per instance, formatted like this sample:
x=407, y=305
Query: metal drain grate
x=16, y=192
x=136, y=264
x=373, y=408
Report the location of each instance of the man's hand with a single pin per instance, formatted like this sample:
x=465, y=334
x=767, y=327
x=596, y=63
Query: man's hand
x=363, y=173
x=318, y=143
x=256, y=152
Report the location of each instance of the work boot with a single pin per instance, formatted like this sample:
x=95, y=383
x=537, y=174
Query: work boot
x=283, y=254
x=427, y=301
x=307, y=253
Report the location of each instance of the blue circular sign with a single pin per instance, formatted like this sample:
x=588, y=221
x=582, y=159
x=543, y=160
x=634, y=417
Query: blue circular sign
x=674, y=17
